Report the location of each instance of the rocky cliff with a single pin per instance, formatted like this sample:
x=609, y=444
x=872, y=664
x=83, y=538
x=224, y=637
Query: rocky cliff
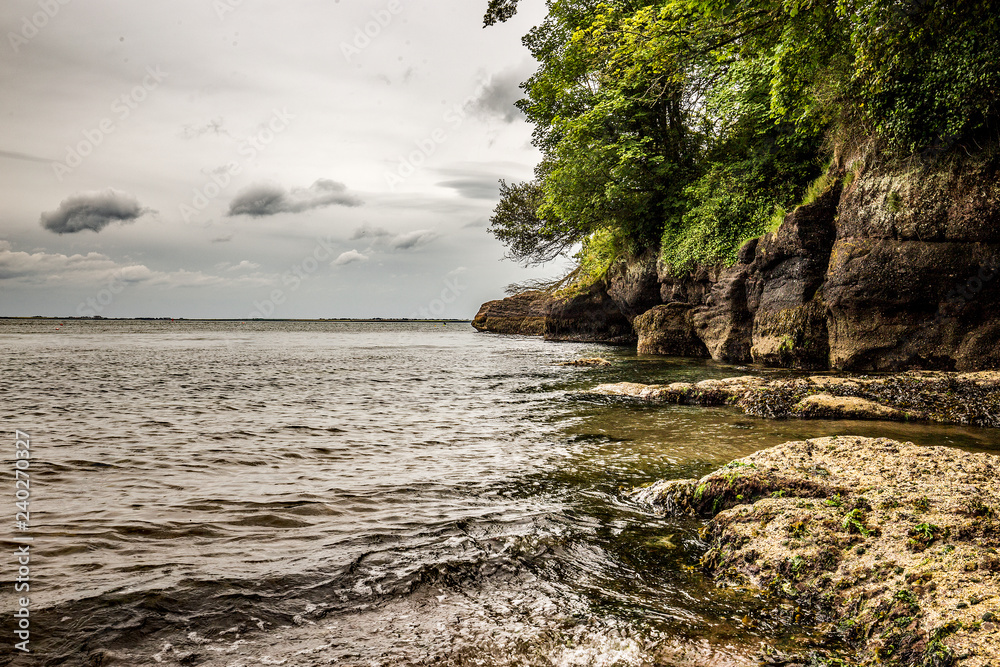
x=891, y=267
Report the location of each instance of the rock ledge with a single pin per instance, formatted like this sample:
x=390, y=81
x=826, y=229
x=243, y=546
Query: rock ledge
x=951, y=398
x=892, y=548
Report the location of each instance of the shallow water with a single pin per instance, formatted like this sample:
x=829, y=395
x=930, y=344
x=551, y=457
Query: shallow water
x=333, y=493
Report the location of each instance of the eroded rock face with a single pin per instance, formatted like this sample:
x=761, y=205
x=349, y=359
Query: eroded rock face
x=783, y=288
x=891, y=268
x=521, y=314
x=634, y=285
x=589, y=317
x=693, y=288
x=725, y=323
x=913, y=277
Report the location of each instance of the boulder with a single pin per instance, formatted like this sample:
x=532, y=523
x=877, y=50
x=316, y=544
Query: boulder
x=669, y=329
x=890, y=545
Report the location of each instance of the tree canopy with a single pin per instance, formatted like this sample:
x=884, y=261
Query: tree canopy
x=692, y=125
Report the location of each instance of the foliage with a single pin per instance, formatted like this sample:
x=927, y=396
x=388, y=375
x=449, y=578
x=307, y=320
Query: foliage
x=693, y=125
x=854, y=522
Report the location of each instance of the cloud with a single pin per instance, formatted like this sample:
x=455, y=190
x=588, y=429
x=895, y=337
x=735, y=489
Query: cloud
x=14, y=155
x=95, y=269
x=383, y=238
x=93, y=211
x=412, y=239
x=350, y=257
x=266, y=199
x=366, y=231
x=497, y=97
x=245, y=265
x=486, y=187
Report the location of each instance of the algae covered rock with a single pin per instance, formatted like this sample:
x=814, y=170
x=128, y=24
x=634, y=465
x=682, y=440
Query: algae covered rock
x=951, y=398
x=827, y=406
x=891, y=548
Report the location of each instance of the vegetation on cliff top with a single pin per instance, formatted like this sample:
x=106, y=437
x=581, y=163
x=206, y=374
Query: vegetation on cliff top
x=693, y=125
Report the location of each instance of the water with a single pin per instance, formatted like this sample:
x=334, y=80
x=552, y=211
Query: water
x=367, y=494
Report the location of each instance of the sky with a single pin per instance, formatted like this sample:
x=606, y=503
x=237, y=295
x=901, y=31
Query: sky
x=243, y=158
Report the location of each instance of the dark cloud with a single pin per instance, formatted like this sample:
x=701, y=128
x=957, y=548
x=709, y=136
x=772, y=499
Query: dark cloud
x=412, y=240
x=368, y=232
x=497, y=97
x=93, y=211
x=265, y=199
x=484, y=187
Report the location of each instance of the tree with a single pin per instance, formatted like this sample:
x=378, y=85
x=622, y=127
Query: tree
x=529, y=238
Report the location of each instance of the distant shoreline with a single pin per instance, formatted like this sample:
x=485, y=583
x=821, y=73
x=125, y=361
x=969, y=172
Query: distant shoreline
x=372, y=320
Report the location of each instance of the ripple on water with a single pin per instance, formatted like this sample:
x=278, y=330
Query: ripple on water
x=306, y=493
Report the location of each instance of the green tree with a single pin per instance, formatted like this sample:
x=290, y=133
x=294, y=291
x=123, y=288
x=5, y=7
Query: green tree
x=692, y=124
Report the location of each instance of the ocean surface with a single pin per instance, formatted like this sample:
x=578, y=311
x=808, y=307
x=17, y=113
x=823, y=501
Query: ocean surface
x=312, y=493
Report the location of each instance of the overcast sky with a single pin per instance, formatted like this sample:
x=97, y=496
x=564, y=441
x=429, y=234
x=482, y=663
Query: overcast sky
x=240, y=158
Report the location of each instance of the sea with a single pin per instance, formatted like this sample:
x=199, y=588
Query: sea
x=336, y=493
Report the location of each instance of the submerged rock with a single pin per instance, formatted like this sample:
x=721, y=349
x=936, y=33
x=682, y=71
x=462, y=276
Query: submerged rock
x=593, y=361
x=706, y=392
x=828, y=406
x=890, y=547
